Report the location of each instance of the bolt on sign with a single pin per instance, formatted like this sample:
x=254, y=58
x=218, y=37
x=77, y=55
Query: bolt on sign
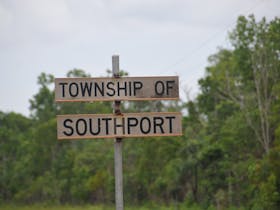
x=111, y=89
x=118, y=126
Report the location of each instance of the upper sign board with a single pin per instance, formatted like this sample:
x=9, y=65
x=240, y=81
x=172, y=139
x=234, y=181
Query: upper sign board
x=126, y=125
x=111, y=89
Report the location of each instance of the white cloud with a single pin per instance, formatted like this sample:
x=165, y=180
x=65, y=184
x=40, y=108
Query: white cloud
x=153, y=37
x=50, y=16
x=36, y=20
x=5, y=18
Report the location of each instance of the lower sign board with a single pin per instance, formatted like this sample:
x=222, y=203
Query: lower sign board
x=87, y=126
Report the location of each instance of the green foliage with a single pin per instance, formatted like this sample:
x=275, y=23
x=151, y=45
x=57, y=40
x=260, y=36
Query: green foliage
x=13, y=131
x=42, y=105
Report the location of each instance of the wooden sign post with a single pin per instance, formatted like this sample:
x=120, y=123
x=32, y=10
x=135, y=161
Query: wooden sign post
x=118, y=145
x=117, y=125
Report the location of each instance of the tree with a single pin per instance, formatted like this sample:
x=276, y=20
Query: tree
x=42, y=105
x=14, y=130
x=238, y=102
x=255, y=85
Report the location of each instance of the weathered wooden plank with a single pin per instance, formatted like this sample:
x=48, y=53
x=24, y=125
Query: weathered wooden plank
x=111, y=89
x=118, y=126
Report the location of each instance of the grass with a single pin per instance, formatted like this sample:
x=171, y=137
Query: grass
x=88, y=207
x=50, y=207
x=101, y=207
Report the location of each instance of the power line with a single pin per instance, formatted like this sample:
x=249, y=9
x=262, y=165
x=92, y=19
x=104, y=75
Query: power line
x=210, y=38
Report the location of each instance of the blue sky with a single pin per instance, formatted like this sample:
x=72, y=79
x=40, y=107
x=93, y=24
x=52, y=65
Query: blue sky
x=152, y=37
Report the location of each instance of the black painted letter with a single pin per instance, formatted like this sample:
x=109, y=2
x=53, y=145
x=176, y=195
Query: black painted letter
x=147, y=125
x=130, y=123
x=81, y=132
x=66, y=125
x=73, y=92
x=63, y=88
x=159, y=88
x=158, y=122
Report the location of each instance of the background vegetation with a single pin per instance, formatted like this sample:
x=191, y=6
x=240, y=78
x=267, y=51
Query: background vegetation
x=228, y=157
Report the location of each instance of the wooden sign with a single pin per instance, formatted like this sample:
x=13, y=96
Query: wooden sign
x=111, y=89
x=113, y=126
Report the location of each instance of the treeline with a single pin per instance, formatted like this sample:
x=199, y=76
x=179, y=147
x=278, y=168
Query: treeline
x=228, y=156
